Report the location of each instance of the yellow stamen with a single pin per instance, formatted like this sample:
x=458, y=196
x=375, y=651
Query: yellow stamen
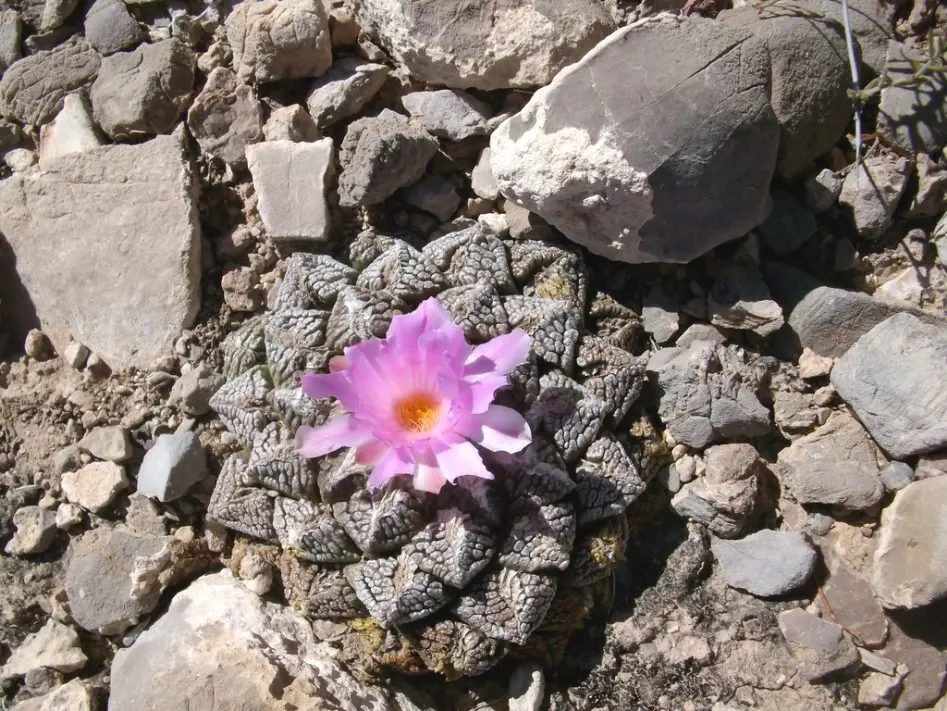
x=418, y=413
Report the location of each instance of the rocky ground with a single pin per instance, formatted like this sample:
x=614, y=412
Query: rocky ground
x=675, y=186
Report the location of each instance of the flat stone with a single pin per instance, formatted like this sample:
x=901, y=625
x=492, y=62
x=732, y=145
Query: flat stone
x=911, y=559
x=11, y=32
x=54, y=646
x=271, y=40
x=226, y=117
x=99, y=579
x=926, y=664
x=482, y=181
x=110, y=27
x=448, y=113
x=789, y=224
x=72, y=131
x=896, y=475
x=113, y=444
x=434, y=195
x=172, y=466
x=700, y=332
x=132, y=247
x=291, y=123
x=290, y=180
x=143, y=92
x=892, y=379
x=878, y=689
x=847, y=599
x=35, y=531
x=820, y=647
x=381, y=154
x=872, y=191
x=766, y=563
x=95, y=485
x=659, y=314
x=911, y=116
x=617, y=162
x=224, y=648
x=344, y=90
x=838, y=465
x=75, y=695
x=740, y=300
x=498, y=44
x=33, y=88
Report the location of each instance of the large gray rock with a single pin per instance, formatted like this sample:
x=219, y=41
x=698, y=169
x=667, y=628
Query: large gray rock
x=220, y=647
x=285, y=39
x=911, y=116
x=127, y=269
x=496, y=44
x=381, y=154
x=344, y=90
x=33, y=88
x=838, y=464
x=226, y=117
x=102, y=594
x=110, y=27
x=172, y=466
x=766, y=563
x=871, y=25
x=448, y=113
x=893, y=378
x=638, y=173
x=911, y=558
x=290, y=180
x=11, y=31
x=143, y=92
x=810, y=79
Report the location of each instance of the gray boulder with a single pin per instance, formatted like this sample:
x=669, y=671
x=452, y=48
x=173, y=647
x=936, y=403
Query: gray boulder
x=132, y=247
x=838, y=464
x=766, y=563
x=893, y=378
x=344, y=90
x=110, y=27
x=220, y=647
x=911, y=558
x=911, y=116
x=285, y=39
x=226, y=117
x=871, y=25
x=810, y=79
x=172, y=466
x=448, y=113
x=635, y=172
x=381, y=154
x=497, y=44
x=33, y=88
x=145, y=91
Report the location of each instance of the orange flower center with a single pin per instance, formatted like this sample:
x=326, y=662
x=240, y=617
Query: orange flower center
x=418, y=413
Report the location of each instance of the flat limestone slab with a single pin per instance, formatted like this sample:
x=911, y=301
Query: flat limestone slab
x=104, y=245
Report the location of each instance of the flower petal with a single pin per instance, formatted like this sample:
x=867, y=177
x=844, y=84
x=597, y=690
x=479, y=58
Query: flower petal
x=430, y=479
x=484, y=391
x=499, y=429
x=337, y=385
x=391, y=464
x=461, y=458
x=368, y=454
x=499, y=355
x=339, y=432
x=405, y=330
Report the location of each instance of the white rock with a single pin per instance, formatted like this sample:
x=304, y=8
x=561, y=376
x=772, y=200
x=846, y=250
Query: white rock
x=72, y=131
x=76, y=355
x=95, y=485
x=813, y=365
x=481, y=179
x=291, y=123
x=290, y=181
x=873, y=191
x=113, y=444
x=20, y=160
x=878, y=689
x=75, y=695
x=527, y=688
x=35, y=531
x=55, y=646
x=68, y=515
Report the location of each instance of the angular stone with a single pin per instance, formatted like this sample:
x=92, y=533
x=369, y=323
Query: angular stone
x=54, y=646
x=739, y=299
x=35, y=531
x=291, y=123
x=72, y=131
x=616, y=161
x=434, y=195
x=11, y=31
x=766, y=563
x=143, y=92
x=872, y=191
x=847, y=599
x=344, y=90
x=926, y=664
x=893, y=380
x=482, y=181
x=113, y=444
x=821, y=192
x=193, y=390
x=878, y=689
x=896, y=475
x=75, y=695
x=448, y=113
x=291, y=181
x=911, y=116
x=172, y=466
x=33, y=88
x=659, y=314
x=128, y=264
x=226, y=117
x=820, y=647
x=493, y=45
x=110, y=27
x=379, y=155
x=838, y=465
x=274, y=40
x=871, y=25
x=911, y=558
x=220, y=647
x=95, y=485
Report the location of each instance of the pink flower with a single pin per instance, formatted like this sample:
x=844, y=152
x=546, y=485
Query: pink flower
x=418, y=401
